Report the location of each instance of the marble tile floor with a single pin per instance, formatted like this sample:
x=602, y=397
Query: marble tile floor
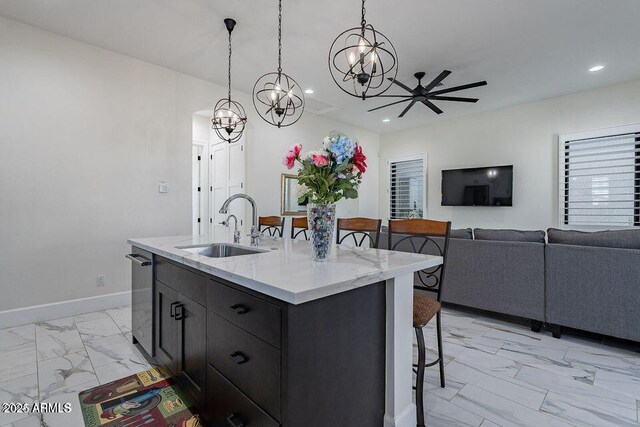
x=51, y=362
x=499, y=373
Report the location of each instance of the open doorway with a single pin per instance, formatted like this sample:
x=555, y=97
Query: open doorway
x=218, y=171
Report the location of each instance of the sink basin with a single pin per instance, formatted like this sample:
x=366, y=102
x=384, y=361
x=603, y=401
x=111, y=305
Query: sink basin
x=220, y=250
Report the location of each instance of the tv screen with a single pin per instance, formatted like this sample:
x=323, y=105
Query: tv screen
x=489, y=186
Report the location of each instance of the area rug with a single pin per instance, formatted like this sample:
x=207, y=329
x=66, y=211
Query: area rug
x=149, y=398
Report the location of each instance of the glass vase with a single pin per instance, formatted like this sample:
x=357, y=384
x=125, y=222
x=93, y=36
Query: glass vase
x=322, y=220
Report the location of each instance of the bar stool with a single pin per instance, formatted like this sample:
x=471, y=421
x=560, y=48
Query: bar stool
x=272, y=225
x=431, y=237
x=360, y=230
x=299, y=226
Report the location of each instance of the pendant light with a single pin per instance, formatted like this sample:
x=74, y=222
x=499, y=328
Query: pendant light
x=277, y=97
x=362, y=61
x=229, y=116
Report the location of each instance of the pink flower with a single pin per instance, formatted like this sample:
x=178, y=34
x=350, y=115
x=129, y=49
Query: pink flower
x=291, y=156
x=359, y=159
x=320, y=161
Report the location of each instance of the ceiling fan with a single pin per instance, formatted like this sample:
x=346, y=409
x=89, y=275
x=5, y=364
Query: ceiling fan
x=426, y=94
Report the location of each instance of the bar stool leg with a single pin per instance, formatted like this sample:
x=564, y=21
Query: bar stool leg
x=440, y=350
x=422, y=350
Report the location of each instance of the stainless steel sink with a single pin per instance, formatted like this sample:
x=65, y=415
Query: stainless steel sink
x=220, y=250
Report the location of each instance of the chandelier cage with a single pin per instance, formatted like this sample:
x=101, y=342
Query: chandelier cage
x=229, y=117
x=362, y=61
x=277, y=97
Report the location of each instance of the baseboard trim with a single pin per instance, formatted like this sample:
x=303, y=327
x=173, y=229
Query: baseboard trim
x=407, y=418
x=37, y=313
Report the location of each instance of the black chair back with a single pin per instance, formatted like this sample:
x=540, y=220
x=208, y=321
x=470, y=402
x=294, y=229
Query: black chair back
x=360, y=230
x=299, y=227
x=428, y=237
x=271, y=225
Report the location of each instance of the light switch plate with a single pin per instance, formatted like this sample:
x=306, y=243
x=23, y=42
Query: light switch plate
x=162, y=187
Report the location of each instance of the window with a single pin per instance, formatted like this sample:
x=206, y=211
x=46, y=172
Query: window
x=600, y=177
x=407, y=194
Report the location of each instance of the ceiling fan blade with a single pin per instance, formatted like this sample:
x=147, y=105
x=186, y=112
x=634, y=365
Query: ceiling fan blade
x=402, y=85
x=452, y=98
x=432, y=106
x=435, y=82
x=388, y=105
x=407, y=109
x=457, y=88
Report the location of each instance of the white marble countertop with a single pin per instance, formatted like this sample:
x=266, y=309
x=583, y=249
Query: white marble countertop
x=285, y=270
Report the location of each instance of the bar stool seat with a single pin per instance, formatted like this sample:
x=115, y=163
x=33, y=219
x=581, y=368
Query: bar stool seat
x=424, y=309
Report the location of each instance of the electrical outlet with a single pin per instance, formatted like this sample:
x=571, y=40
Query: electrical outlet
x=100, y=280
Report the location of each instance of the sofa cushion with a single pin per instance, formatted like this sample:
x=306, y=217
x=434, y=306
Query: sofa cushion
x=623, y=239
x=462, y=233
x=536, y=236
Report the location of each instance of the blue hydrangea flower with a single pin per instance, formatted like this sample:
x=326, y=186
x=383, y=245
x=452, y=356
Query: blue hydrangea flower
x=343, y=149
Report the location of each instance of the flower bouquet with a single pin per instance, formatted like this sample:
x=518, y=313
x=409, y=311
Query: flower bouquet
x=325, y=177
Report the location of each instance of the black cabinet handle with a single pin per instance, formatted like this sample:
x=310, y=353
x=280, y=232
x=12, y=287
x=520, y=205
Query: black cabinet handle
x=240, y=309
x=173, y=308
x=234, y=421
x=239, y=357
x=179, y=314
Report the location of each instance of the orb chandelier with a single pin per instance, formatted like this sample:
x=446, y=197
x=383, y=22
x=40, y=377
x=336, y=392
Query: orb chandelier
x=362, y=61
x=229, y=116
x=277, y=97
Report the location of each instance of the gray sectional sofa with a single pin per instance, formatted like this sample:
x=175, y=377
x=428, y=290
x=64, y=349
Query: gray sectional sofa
x=593, y=281
x=587, y=281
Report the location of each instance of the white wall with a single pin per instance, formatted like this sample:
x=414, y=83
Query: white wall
x=525, y=136
x=85, y=136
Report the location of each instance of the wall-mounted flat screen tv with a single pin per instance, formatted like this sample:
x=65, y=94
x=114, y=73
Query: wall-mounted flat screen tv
x=488, y=186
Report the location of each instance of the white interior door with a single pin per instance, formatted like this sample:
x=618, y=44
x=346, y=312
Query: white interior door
x=218, y=162
x=236, y=178
x=227, y=177
x=198, y=198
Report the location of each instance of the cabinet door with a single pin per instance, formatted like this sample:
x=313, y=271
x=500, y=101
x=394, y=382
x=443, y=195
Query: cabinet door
x=166, y=327
x=192, y=335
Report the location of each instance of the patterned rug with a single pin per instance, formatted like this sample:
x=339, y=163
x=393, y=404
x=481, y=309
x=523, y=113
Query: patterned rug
x=149, y=398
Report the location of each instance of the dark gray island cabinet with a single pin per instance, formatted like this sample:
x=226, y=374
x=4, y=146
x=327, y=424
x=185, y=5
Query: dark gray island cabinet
x=263, y=336
x=248, y=359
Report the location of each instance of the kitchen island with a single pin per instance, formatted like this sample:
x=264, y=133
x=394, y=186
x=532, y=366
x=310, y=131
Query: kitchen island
x=263, y=336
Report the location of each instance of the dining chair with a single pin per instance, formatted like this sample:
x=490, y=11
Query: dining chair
x=299, y=227
x=430, y=237
x=271, y=225
x=359, y=230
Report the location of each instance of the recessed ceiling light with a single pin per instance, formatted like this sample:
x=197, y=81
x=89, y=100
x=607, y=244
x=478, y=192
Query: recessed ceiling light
x=308, y=91
x=596, y=68
x=386, y=120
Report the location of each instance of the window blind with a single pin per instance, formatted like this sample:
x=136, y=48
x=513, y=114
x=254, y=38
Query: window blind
x=406, y=189
x=602, y=181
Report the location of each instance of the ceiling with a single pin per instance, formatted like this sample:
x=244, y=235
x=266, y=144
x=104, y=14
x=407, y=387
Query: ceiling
x=526, y=49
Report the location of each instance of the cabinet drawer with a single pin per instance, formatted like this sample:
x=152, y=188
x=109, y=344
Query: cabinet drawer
x=252, y=314
x=248, y=362
x=185, y=281
x=227, y=406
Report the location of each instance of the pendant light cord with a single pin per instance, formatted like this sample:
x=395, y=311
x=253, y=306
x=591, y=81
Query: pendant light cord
x=279, y=36
x=363, y=22
x=229, y=74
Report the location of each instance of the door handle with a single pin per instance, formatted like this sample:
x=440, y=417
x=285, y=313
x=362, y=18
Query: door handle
x=172, y=310
x=239, y=357
x=240, y=309
x=179, y=314
x=234, y=421
x=138, y=259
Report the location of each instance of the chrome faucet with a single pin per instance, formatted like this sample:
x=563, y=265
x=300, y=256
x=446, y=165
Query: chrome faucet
x=255, y=234
x=236, y=232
